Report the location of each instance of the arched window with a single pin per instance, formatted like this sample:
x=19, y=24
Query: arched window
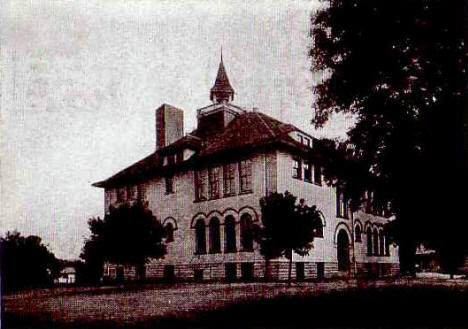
x=246, y=232
x=381, y=243
x=357, y=233
x=200, y=237
x=387, y=245
x=230, y=234
x=215, y=237
x=369, y=241
x=169, y=232
x=375, y=242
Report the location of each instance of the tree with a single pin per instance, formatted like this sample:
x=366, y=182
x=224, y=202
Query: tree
x=287, y=227
x=400, y=68
x=128, y=234
x=26, y=261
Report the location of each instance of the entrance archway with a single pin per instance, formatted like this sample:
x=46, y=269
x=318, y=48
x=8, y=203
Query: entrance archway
x=343, y=250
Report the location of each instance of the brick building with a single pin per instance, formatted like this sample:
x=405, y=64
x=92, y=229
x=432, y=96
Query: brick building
x=205, y=188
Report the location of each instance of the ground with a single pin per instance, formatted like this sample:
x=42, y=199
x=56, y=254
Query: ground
x=416, y=302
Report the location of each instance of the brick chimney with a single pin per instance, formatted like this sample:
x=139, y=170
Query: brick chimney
x=169, y=125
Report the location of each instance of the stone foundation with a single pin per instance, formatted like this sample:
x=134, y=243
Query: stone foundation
x=249, y=271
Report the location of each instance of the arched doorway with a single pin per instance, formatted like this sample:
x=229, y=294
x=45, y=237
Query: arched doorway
x=343, y=250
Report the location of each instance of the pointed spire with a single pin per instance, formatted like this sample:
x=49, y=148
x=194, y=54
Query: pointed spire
x=222, y=90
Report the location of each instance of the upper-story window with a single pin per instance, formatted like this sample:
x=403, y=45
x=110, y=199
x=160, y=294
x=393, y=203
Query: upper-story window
x=307, y=141
x=368, y=203
x=214, y=179
x=317, y=174
x=307, y=171
x=245, y=176
x=169, y=182
x=296, y=173
x=229, y=179
x=200, y=185
x=121, y=194
x=141, y=192
x=131, y=192
x=341, y=208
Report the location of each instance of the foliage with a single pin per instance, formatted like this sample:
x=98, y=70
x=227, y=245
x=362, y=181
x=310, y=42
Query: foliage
x=400, y=68
x=286, y=226
x=26, y=261
x=128, y=234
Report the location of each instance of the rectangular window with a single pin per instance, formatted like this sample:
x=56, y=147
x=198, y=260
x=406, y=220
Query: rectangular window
x=245, y=176
x=320, y=270
x=368, y=203
x=317, y=174
x=296, y=168
x=198, y=275
x=300, y=272
x=247, y=271
x=121, y=194
x=230, y=270
x=307, y=141
x=141, y=192
x=169, y=182
x=131, y=192
x=341, y=208
x=169, y=273
x=307, y=171
x=214, y=179
x=229, y=179
x=200, y=185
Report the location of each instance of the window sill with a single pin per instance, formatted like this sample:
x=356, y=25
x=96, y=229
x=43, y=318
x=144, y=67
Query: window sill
x=199, y=253
x=169, y=193
x=246, y=192
x=214, y=252
x=246, y=250
x=227, y=195
x=215, y=198
x=199, y=200
x=296, y=177
x=230, y=251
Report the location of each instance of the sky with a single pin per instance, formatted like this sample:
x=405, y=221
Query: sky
x=81, y=80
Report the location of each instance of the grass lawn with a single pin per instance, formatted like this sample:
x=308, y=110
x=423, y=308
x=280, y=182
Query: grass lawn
x=338, y=304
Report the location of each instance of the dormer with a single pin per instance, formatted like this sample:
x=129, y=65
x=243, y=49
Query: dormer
x=302, y=138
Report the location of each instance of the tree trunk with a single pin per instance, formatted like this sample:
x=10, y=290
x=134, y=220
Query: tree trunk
x=290, y=267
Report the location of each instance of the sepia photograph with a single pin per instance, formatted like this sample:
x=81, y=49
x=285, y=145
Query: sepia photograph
x=233, y=164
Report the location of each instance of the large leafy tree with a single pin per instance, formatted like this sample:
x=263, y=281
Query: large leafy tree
x=128, y=234
x=287, y=227
x=26, y=261
x=400, y=68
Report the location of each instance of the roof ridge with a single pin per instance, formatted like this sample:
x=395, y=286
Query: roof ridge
x=264, y=122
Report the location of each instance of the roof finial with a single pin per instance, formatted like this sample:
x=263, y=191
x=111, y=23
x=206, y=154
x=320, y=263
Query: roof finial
x=222, y=90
